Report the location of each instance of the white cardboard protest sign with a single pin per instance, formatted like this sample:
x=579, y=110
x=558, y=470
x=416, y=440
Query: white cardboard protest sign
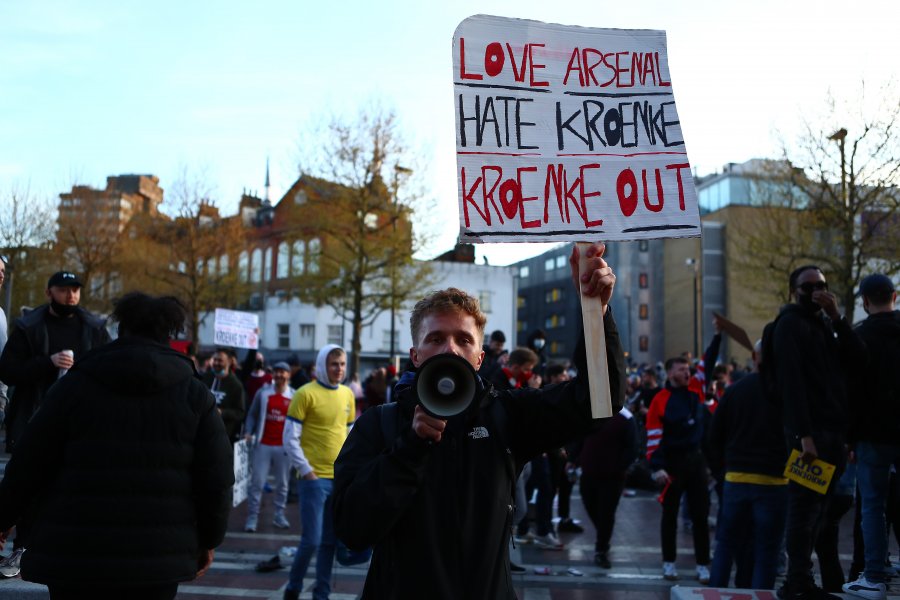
x=241, y=472
x=236, y=328
x=567, y=134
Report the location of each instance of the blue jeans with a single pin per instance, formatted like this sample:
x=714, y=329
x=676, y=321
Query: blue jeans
x=749, y=532
x=317, y=536
x=873, y=473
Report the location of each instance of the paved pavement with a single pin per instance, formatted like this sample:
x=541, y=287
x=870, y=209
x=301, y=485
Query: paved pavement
x=635, y=557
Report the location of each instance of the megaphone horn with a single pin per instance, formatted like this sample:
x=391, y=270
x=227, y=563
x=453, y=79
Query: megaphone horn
x=446, y=384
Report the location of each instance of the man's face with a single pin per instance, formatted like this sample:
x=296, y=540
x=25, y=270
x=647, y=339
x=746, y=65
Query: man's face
x=496, y=346
x=679, y=374
x=220, y=362
x=808, y=283
x=647, y=380
x=2, y=272
x=336, y=365
x=280, y=377
x=448, y=333
x=65, y=294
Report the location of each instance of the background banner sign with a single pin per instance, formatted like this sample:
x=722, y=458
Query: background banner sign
x=567, y=134
x=236, y=328
x=241, y=472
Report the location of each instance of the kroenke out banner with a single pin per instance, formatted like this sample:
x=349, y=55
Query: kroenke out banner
x=567, y=134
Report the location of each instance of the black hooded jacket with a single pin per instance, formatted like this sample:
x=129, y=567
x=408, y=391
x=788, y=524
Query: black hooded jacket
x=876, y=411
x=125, y=469
x=439, y=515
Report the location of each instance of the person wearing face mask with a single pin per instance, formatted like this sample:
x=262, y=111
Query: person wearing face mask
x=43, y=345
x=814, y=352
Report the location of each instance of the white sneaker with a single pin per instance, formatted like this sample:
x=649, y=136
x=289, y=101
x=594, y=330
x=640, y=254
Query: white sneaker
x=250, y=524
x=549, y=542
x=864, y=588
x=525, y=538
x=9, y=566
x=669, y=572
x=703, y=574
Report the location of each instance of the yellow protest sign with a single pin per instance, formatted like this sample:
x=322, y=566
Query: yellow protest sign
x=815, y=475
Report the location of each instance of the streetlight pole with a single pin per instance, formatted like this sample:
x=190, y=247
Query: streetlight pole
x=691, y=263
x=840, y=136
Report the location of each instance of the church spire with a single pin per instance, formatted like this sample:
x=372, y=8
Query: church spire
x=267, y=180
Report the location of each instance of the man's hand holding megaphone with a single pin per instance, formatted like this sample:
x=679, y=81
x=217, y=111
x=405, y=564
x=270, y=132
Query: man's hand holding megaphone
x=456, y=333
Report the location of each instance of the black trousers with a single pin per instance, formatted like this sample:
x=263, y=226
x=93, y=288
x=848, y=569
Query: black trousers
x=807, y=511
x=689, y=476
x=601, y=499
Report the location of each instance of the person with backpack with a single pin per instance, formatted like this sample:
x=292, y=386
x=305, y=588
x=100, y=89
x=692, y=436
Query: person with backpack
x=436, y=501
x=875, y=430
x=813, y=351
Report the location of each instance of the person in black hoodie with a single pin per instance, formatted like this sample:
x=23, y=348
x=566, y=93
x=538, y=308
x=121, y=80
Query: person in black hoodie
x=746, y=438
x=814, y=349
x=435, y=499
x=875, y=429
x=126, y=467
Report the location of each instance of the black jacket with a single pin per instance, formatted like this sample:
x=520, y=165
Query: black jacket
x=746, y=433
x=439, y=515
x=25, y=364
x=126, y=470
x=813, y=356
x=876, y=395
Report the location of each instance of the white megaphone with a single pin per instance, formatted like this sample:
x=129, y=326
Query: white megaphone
x=446, y=384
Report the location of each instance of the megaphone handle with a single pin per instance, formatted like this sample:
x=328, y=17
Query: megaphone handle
x=595, y=345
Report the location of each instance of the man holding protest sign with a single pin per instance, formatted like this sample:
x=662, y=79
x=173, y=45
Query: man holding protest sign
x=434, y=495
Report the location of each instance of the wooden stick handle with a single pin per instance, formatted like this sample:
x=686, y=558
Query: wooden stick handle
x=595, y=345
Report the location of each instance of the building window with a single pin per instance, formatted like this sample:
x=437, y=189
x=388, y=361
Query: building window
x=523, y=272
x=644, y=312
x=243, y=263
x=336, y=335
x=554, y=321
x=548, y=264
x=520, y=302
x=484, y=299
x=557, y=347
x=267, y=265
x=283, y=261
x=386, y=340
x=315, y=254
x=521, y=326
x=644, y=343
x=284, y=335
x=223, y=265
x=643, y=245
x=553, y=295
x=297, y=258
x=256, y=265
x=211, y=267
x=643, y=280
x=307, y=336
x=560, y=262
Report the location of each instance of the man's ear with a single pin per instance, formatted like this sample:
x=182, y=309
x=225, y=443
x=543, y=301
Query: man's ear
x=414, y=356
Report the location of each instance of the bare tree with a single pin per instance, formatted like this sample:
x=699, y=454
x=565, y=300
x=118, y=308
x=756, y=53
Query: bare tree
x=361, y=205
x=194, y=253
x=27, y=227
x=833, y=200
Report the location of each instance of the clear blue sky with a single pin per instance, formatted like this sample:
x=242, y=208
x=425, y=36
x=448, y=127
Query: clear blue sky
x=96, y=88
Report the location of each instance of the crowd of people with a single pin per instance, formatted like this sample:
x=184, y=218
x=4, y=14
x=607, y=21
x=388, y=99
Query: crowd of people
x=379, y=475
